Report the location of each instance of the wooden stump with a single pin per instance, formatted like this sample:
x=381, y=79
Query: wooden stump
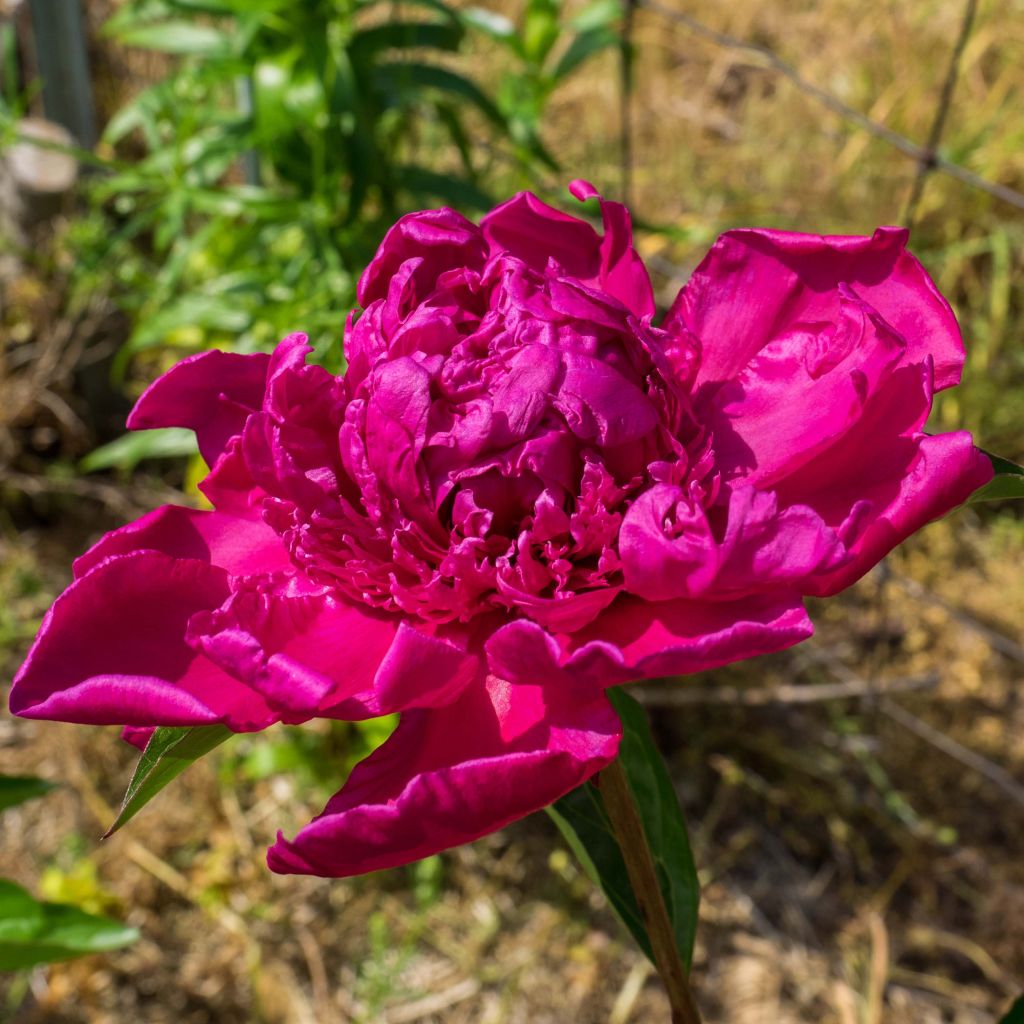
x=36, y=181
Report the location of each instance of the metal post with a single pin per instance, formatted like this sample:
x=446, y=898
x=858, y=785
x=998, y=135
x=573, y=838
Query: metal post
x=61, y=57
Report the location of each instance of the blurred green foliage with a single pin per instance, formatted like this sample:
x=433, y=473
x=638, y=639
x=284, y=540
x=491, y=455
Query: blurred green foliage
x=254, y=179
x=317, y=757
x=545, y=49
x=35, y=932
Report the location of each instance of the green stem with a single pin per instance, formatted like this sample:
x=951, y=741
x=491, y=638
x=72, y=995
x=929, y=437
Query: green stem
x=629, y=834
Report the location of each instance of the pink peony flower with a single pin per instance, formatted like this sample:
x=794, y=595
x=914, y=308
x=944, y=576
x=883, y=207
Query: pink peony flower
x=521, y=493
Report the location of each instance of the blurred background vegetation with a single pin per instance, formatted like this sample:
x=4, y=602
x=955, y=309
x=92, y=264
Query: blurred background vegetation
x=861, y=854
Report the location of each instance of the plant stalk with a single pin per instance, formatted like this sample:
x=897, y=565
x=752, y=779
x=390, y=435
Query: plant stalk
x=629, y=834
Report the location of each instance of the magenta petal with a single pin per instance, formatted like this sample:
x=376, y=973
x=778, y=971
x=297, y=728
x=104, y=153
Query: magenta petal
x=799, y=393
x=755, y=285
x=112, y=651
x=666, y=546
x=884, y=479
x=534, y=232
x=600, y=405
x=239, y=546
x=623, y=273
x=945, y=472
x=396, y=429
x=636, y=639
x=767, y=547
x=137, y=736
x=316, y=654
x=211, y=393
x=441, y=239
x=449, y=776
x=229, y=485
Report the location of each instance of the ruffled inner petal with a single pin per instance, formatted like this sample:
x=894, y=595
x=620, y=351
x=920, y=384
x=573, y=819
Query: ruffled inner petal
x=312, y=653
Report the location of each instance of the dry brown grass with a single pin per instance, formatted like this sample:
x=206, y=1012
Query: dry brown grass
x=853, y=872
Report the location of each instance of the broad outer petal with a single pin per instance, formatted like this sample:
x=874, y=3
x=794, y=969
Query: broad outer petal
x=323, y=655
x=946, y=471
x=884, y=479
x=636, y=639
x=211, y=393
x=799, y=393
x=238, y=545
x=755, y=285
x=112, y=651
x=448, y=776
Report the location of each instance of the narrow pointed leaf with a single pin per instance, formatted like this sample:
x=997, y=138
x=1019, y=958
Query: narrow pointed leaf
x=583, y=822
x=178, y=37
x=405, y=81
x=394, y=35
x=582, y=818
x=492, y=24
x=458, y=192
x=1008, y=483
x=127, y=451
x=582, y=48
x=169, y=752
x=16, y=789
x=32, y=932
x=663, y=820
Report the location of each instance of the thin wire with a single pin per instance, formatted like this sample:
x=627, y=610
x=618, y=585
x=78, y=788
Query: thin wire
x=626, y=103
x=900, y=142
x=925, y=167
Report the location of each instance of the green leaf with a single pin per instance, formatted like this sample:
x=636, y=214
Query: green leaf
x=1015, y=1015
x=583, y=820
x=492, y=24
x=16, y=789
x=582, y=48
x=407, y=80
x=403, y=34
x=1008, y=483
x=457, y=192
x=540, y=29
x=193, y=309
x=179, y=37
x=32, y=932
x=126, y=452
x=205, y=6
x=663, y=820
x=449, y=115
x=170, y=750
x=600, y=14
